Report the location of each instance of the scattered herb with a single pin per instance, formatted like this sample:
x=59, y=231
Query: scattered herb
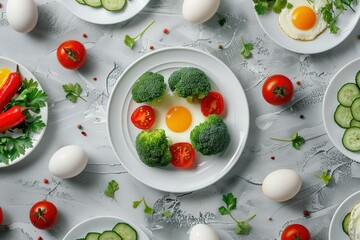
x=112, y=187
x=243, y=226
x=289, y=6
x=73, y=92
x=246, y=49
x=166, y=213
x=130, y=42
x=325, y=176
x=295, y=139
x=147, y=209
x=262, y=6
x=222, y=21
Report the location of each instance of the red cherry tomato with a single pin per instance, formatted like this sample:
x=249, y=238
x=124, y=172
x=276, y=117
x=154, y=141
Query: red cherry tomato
x=71, y=54
x=183, y=154
x=213, y=103
x=1, y=216
x=143, y=117
x=295, y=232
x=43, y=214
x=278, y=90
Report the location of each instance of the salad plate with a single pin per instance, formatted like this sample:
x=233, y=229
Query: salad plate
x=100, y=224
x=208, y=169
x=35, y=137
x=347, y=21
x=330, y=102
x=336, y=230
x=102, y=16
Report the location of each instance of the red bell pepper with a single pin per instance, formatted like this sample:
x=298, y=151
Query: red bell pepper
x=11, y=118
x=10, y=87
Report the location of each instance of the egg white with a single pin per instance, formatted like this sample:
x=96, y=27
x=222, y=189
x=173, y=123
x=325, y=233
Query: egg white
x=354, y=224
x=286, y=24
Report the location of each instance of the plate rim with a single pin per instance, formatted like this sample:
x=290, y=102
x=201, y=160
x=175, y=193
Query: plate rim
x=237, y=155
x=46, y=118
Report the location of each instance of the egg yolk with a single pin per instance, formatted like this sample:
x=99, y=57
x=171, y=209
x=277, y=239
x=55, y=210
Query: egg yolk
x=4, y=74
x=304, y=18
x=178, y=119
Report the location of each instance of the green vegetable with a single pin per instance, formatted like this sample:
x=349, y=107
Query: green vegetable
x=153, y=148
x=28, y=84
x=31, y=98
x=279, y=5
x=211, y=136
x=289, y=6
x=263, y=6
x=332, y=10
x=345, y=223
x=73, y=92
x=166, y=213
x=325, y=176
x=112, y=187
x=295, y=139
x=12, y=148
x=243, y=226
x=147, y=209
x=222, y=21
x=149, y=87
x=246, y=49
x=130, y=42
x=189, y=82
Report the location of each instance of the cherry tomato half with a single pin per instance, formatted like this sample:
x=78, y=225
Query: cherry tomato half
x=183, y=154
x=71, y=54
x=278, y=90
x=213, y=103
x=43, y=214
x=295, y=231
x=143, y=117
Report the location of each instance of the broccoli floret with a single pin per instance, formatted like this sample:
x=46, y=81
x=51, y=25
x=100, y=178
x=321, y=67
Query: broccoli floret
x=149, y=87
x=211, y=136
x=153, y=148
x=189, y=82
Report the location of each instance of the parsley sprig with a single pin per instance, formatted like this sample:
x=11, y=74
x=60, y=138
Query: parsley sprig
x=325, y=176
x=73, y=92
x=243, y=226
x=112, y=187
x=246, y=49
x=130, y=42
x=295, y=139
x=147, y=209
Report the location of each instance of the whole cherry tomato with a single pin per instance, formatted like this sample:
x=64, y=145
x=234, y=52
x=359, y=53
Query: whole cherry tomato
x=278, y=90
x=71, y=54
x=295, y=232
x=43, y=214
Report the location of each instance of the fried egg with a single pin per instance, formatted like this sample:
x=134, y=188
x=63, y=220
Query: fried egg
x=354, y=224
x=177, y=117
x=303, y=21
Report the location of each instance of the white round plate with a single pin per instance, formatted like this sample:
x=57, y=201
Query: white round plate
x=101, y=15
x=100, y=224
x=335, y=231
x=25, y=73
x=325, y=41
x=208, y=169
x=345, y=75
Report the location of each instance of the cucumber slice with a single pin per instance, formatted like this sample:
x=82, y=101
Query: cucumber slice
x=355, y=109
x=81, y=2
x=357, y=79
x=92, y=236
x=93, y=3
x=109, y=235
x=351, y=139
x=342, y=116
x=354, y=123
x=345, y=224
x=347, y=94
x=113, y=5
x=125, y=231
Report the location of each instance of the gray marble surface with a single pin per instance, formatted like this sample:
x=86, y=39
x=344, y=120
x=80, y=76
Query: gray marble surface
x=82, y=197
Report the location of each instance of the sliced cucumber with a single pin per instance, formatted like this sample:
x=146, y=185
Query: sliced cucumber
x=342, y=116
x=345, y=224
x=354, y=123
x=357, y=79
x=125, y=231
x=355, y=109
x=347, y=94
x=109, y=235
x=81, y=2
x=351, y=139
x=93, y=3
x=113, y=5
x=92, y=236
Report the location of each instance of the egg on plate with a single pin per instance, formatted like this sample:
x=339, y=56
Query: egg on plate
x=303, y=21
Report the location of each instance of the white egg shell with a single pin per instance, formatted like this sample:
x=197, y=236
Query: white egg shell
x=22, y=15
x=282, y=185
x=68, y=162
x=199, y=11
x=202, y=232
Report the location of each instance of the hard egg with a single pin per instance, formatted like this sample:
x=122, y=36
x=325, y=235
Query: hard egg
x=281, y=185
x=202, y=232
x=22, y=15
x=68, y=162
x=199, y=11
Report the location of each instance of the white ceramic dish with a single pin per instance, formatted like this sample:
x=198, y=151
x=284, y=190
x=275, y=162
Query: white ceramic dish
x=102, y=16
x=335, y=231
x=25, y=73
x=345, y=75
x=347, y=22
x=123, y=134
x=100, y=224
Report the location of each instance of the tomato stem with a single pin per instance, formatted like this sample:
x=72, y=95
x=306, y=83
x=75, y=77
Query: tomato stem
x=71, y=54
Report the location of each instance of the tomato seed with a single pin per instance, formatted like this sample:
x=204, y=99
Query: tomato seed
x=152, y=47
x=84, y=35
x=165, y=30
x=272, y=158
x=298, y=82
x=306, y=213
x=84, y=133
x=46, y=181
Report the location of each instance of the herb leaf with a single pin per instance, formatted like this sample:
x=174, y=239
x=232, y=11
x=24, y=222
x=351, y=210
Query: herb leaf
x=130, y=42
x=242, y=228
x=246, y=49
x=12, y=148
x=289, y=6
x=73, y=92
x=325, y=176
x=112, y=187
x=28, y=84
x=166, y=213
x=147, y=208
x=295, y=139
x=262, y=7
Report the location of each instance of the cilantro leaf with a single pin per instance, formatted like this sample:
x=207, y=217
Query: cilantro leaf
x=223, y=210
x=32, y=98
x=73, y=92
x=289, y=6
x=130, y=42
x=222, y=21
x=34, y=125
x=243, y=228
x=147, y=208
x=136, y=203
x=262, y=7
x=279, y=5
x=325, y=176
x=246, y=49
x=12, y=148
x=295, y=139
x=230, y=201
x=28, y=84
x=112, y=187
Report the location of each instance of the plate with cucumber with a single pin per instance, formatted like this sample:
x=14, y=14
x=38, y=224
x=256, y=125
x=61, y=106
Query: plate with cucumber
x=341, y=110
x=105, y=228
x=105, y=11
